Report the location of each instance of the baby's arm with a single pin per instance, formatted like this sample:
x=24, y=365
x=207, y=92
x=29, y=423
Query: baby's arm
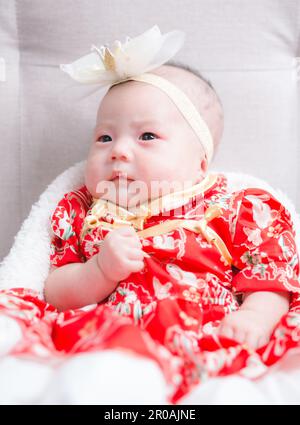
x=78, y=284
x=265, y=265
x=254, y=322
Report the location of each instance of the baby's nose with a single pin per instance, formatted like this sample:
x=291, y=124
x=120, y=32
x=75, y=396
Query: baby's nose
x=121, y=151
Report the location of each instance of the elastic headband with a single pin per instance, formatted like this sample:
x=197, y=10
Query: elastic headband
x=184, y=105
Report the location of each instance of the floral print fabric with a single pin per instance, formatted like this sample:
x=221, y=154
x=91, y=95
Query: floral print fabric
x=170, y=310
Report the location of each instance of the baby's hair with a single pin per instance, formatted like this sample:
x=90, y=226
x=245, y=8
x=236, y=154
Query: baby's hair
x=215, y=102
x=190, y=69
x=194, y=71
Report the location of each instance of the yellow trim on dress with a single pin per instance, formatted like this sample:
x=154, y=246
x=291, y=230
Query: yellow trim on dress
x=123, y=217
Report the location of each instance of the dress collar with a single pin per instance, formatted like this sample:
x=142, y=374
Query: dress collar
x=102, y=210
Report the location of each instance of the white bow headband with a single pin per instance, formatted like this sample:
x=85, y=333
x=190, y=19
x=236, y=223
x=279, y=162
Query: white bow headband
x=132, y=60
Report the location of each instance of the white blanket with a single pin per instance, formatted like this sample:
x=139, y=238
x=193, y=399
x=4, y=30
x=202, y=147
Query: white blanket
x=113, y=376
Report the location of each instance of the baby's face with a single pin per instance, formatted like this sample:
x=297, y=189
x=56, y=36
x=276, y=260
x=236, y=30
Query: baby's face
x=141, y=138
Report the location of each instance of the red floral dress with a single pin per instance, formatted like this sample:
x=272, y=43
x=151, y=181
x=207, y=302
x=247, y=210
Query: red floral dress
x=170, y=310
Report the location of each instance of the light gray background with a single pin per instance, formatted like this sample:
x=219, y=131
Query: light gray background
x=247, y=49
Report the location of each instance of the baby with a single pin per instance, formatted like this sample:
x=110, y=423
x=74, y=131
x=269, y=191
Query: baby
x=171, y=276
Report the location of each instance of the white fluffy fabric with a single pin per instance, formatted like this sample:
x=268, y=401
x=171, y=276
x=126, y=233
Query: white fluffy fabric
x=107, y=377
x=114, y=376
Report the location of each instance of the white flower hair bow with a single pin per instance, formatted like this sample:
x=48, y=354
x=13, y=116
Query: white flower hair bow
x=110, y=64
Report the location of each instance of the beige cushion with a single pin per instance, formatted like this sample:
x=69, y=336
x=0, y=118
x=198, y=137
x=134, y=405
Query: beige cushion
x=247, y=49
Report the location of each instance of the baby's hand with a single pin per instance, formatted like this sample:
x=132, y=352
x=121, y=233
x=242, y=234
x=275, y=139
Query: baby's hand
x=121, y=254
x=247, y=327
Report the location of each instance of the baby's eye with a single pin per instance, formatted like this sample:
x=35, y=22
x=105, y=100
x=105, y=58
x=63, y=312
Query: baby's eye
x=105, y=138
x=148, y=136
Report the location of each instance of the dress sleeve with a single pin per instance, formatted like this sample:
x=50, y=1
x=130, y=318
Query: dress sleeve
x=265, y=256
x=64, y=247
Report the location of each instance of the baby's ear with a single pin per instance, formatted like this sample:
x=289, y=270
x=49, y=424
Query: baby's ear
x=204, y=165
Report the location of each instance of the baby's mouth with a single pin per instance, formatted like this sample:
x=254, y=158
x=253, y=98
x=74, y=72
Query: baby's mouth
x=120, y=177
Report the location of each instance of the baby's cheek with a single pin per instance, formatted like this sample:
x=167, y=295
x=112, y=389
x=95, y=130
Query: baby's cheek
x=92, y=177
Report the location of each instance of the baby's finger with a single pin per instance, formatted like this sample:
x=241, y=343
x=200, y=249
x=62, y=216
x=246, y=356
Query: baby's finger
x=135, y=266
x=263, y=340
x=133, y=241
x=252, y=339
x=136, y=240
x=240, y=335
x=126, y=231
x=226, y=331
x=135, y=254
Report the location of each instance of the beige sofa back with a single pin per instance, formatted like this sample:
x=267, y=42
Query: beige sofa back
x=248, y=49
